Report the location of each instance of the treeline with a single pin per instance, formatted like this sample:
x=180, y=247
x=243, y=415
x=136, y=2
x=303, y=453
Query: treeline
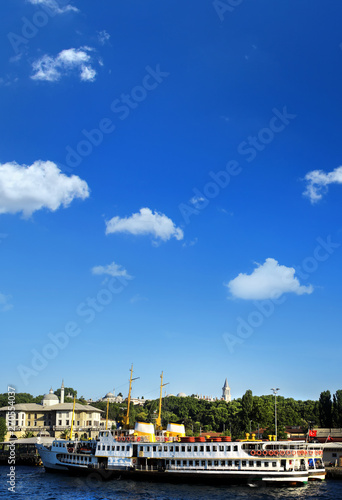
x=239, y=416
x=235, y=418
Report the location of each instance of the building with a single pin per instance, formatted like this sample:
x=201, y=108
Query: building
x=110, y=396
x=226, y=396
x=52, y=418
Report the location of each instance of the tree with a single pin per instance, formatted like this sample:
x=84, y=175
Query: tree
x=3, y=429
x=337, y=409
x=247, y=407
x=325, y=409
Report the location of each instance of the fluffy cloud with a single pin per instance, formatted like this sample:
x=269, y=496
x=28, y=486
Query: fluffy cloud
x=318, y=182
x=29, y=188
x=53, y=6
x=5, y=304
x=268, y=281
x=145, y=222
x=51, y=69
x=111, y=269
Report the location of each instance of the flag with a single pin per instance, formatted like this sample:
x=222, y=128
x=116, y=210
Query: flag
x=329, y=438
x=312, y=433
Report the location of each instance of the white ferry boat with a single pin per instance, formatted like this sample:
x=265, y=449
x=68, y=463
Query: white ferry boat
x=168, y=455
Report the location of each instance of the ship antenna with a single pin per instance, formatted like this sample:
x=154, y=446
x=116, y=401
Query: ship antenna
x=158, y=421
x=126, y=418
x=107, y=413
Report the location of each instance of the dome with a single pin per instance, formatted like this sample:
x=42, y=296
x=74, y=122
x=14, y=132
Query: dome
x=50, y=399
x=181, y=395
x=109, y=395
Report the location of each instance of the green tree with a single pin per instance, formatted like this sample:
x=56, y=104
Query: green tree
x=3, y=429
x=325, y=409
x=337, y=409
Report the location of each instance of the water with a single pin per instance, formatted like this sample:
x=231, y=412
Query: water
x=33, y=483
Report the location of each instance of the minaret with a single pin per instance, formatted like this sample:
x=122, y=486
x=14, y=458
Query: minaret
x=226, y=392
x=62, y=392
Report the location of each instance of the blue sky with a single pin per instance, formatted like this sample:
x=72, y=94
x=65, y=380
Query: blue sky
x=170, y=196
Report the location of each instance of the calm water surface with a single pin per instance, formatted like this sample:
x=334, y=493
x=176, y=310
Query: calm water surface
x=33, y=483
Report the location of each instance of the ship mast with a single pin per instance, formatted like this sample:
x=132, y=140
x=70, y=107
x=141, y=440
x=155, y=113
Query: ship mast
x=158, y=421
x=126, y=418
x=72, y=418
x=107, y=413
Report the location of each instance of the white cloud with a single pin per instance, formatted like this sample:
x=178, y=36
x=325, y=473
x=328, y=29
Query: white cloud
x=111, y=269
x=196, y=199
x=318, y=182
x=5, y=304
x=103, y=37
x=29, y=188
x=268, y=281
x=54, y=7
x=145, y=222
x=51, y=69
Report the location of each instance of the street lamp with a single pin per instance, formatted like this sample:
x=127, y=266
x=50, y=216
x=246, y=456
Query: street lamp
x=275, y=391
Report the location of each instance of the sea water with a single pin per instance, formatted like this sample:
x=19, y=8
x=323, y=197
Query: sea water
x=33, y=483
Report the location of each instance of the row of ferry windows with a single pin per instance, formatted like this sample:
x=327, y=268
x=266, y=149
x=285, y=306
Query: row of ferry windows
x=189, y=448
x=113, y=448
x=220, y=463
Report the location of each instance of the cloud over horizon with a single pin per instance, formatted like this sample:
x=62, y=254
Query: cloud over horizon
x=5, y=304
x=112, y=269
x=30, y=188
x=318, y=182
x=51, y=69
x=145, y=222
x=268, y=281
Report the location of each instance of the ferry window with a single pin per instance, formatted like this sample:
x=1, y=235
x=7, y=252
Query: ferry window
x=108, y=448
x=221, y=448
x=274, y=464
x=178, y=462
x=208, y=448
x=265, y=464
x=216, y=463
x=127, y=448
x=99, y=447
x=251, y=463
x=243, y=463
x=171, y=448
x=113, y=448
x=160, y=448
x=223, y=463
x=190, y=462
x=147, y=448
x=258, y=464
x=203, y=463
x=201, y=448
x=122, y=448
x=177, y=448
x=118, y=448
x=195, y=448
x=236, y=463
x=165, y=448
x=227, y=448
x=183, y=448
x=229, y=463
x=172, y=462
x=189, y=448
x=214, y=448
x=103, y=447
x=196, y=463
x=235, y=448
x=209, y=463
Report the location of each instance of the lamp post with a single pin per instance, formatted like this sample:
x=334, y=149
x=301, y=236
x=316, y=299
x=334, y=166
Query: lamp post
x=275, y=391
